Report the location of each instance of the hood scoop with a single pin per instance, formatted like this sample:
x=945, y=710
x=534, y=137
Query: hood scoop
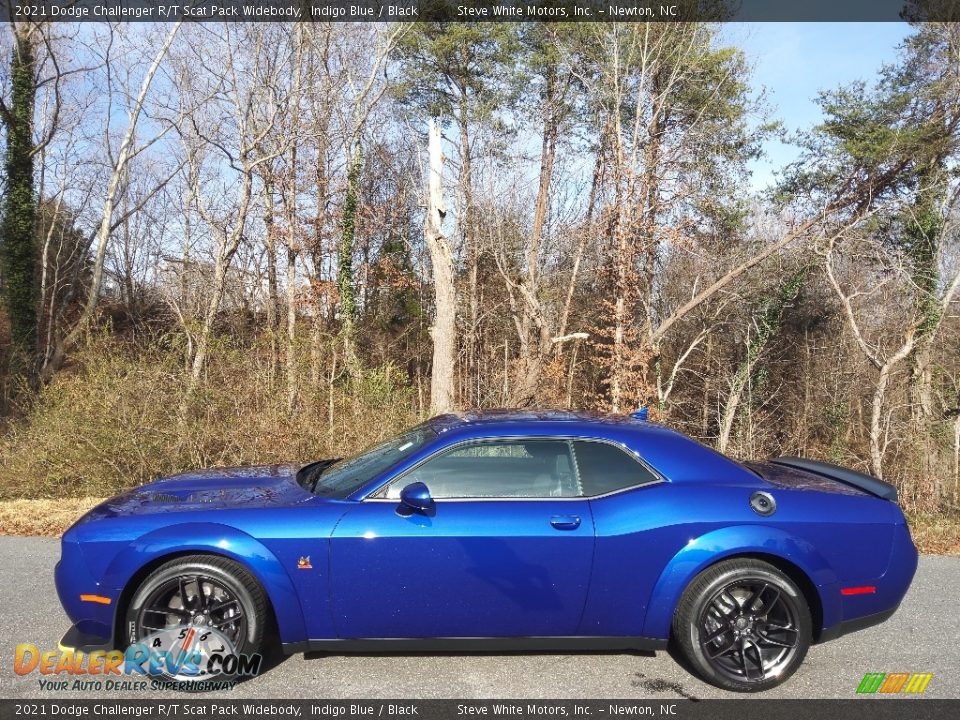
x=165, y=498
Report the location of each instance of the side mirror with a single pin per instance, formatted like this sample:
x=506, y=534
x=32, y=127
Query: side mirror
x=417, y=497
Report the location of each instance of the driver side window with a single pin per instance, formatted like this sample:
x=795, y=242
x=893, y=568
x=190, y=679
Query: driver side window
x=496, y=469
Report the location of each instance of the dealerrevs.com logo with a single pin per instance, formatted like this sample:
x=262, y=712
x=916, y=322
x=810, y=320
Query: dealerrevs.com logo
x=178, y=658
x=894, y=683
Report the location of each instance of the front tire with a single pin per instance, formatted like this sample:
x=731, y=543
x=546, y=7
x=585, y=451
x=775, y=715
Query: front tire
x=199, y=592
x=743, y=625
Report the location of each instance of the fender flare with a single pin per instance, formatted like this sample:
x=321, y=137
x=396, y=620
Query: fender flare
x=717, y=545
x=214, y=539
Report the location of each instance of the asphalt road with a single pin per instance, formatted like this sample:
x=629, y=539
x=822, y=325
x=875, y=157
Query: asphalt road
x=924, y=636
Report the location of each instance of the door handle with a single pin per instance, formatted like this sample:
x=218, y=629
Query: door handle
x=565, y=522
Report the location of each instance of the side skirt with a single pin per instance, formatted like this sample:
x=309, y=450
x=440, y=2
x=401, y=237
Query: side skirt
x=474, y=644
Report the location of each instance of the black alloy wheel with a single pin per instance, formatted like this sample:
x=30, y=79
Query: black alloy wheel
x=743, y=625
x=193, y=600
x=200, y=593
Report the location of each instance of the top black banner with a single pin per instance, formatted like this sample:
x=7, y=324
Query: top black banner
x=481, y=10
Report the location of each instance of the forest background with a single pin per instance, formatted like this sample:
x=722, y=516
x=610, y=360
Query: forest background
x=226, y=244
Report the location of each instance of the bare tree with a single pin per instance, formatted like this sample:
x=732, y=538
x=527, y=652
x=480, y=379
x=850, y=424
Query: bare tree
x=885, y=357
x=126, y=151
x=444, y=291
x=255, y=102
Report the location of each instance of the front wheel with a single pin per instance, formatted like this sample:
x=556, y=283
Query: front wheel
x=743, y=625
x=209, y=606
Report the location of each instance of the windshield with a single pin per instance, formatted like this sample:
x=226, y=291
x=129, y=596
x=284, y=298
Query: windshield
x=344, y=477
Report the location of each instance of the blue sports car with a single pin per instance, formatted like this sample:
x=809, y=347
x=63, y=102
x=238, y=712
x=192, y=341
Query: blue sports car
x=502, y=530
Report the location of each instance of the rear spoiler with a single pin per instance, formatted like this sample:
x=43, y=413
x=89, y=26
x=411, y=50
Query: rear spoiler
x=867, y=483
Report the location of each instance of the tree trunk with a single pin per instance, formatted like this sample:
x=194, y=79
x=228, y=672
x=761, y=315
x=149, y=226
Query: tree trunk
x=225, y=252
x=536, y=347
x=595, y=182
x=444, y=329
x=318, y=256
x=877, y=445
x=292, y=378
x=473, y=259
x=345, y=287
x=956, y=458
x=19, y=248
x=273, y=301
x=293, y=245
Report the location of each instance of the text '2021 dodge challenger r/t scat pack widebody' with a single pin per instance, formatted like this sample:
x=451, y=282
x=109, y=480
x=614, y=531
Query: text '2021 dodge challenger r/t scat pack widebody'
x=498, y=530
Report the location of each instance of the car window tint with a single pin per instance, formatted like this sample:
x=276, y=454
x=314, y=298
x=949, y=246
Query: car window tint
x=509, y=469
x=605, y=468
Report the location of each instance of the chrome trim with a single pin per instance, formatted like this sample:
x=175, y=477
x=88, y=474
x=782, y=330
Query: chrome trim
x=569, y=439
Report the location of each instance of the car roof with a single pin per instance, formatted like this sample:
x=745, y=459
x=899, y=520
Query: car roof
x=507, y=417
x=673, y=454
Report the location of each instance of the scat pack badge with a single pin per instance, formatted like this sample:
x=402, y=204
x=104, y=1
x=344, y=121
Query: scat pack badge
x=304, y=563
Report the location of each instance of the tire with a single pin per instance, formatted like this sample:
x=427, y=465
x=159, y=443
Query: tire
x=225, y=596
x=743, y=625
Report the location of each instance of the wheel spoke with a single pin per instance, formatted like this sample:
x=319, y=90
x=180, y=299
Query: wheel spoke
x=756, y=595
x=182, y=583
x=224, y=604
x=731, y=599
x=782, y=628
x=202, y=598
x=724, y=613
x=165, y=611
x=716, y=634
x=743, y=658
x=226, y=621
x=759, y=656
x=763, y=639
x=772, y=602
x=720, y=652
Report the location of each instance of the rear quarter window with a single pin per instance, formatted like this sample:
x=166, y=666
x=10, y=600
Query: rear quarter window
x=605, y=468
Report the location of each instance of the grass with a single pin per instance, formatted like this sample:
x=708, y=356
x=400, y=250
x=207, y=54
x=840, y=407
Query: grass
x=936, y=534
x=118, y=419
x=46, y=518
x=50, y=518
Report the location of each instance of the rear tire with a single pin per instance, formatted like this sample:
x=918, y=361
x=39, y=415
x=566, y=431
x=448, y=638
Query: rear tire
x=743, y=625
x=199, y=592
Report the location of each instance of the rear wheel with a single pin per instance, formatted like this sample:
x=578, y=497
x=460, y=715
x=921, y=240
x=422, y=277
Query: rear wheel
x=205, y=602
x=743, y=625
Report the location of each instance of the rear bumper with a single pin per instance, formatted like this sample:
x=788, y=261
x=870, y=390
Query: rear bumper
x=849, y=626
x=861, y=611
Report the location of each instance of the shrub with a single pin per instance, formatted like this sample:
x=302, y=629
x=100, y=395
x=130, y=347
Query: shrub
x=117, y=419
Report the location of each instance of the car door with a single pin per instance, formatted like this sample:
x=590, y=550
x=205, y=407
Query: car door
x=506, y=550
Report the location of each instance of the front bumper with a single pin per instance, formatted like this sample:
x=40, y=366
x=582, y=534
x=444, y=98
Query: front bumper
x=78, y=641
x=91, y=619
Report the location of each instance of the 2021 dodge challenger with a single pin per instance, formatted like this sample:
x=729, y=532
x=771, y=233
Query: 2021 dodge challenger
x=503, y=530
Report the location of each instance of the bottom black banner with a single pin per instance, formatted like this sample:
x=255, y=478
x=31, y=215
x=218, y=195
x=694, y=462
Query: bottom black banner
x=739, y=709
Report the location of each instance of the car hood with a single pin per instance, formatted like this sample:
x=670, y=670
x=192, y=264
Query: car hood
x=215, y=489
